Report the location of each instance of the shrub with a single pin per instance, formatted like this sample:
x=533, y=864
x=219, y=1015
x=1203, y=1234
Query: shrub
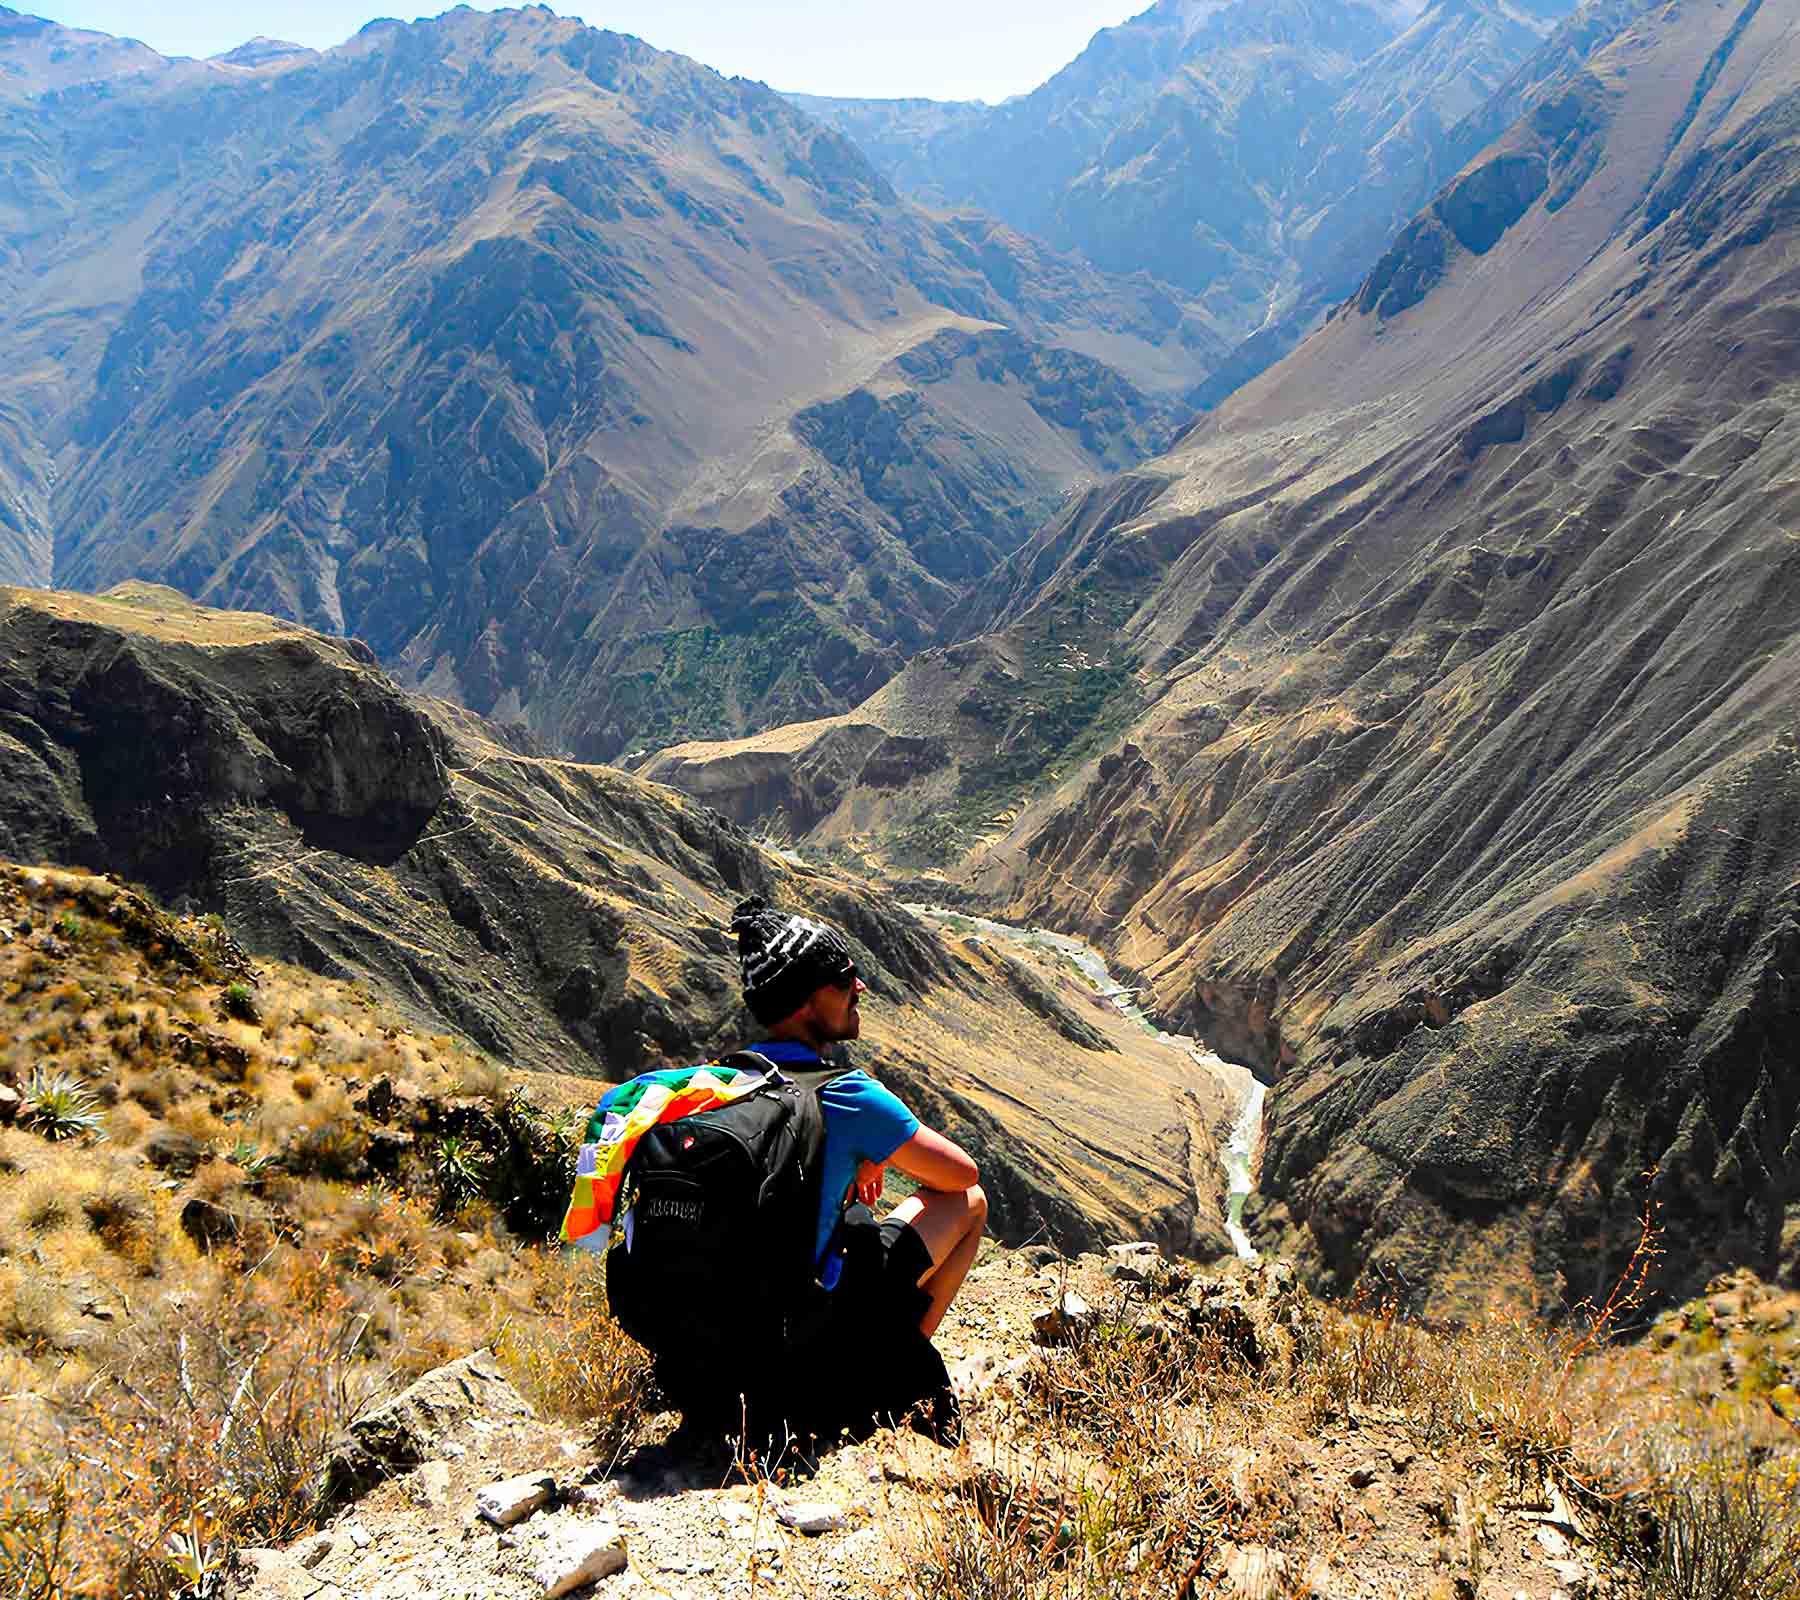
x=45, y=1203
x=239, y=1000
x=461, y=1171
x=1715, y=1516
x=574, y=1361
x=331, y=1149
x=59, y=1106
x=124, y=1219
x=535, y=1165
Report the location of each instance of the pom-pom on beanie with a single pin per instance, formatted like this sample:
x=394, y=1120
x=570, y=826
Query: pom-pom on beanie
x=784, y=957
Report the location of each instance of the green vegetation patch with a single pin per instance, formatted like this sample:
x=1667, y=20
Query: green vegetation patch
x=713, y=683
x=1077, y=692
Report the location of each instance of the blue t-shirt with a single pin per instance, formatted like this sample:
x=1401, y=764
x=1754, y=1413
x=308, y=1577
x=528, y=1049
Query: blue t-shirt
x=863, y=1122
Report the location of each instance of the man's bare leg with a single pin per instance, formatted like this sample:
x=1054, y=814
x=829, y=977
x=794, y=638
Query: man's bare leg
x=951, y=1224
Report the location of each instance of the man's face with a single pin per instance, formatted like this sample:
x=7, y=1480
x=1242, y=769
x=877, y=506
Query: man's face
x=835, y=1010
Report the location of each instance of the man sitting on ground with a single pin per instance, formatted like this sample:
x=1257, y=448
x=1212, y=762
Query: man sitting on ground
x=801, y=983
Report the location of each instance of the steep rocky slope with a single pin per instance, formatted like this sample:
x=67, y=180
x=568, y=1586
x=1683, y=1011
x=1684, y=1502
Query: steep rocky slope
x=1461, y=787
x=590, y=388
x=1258, y=153
x=564, y=918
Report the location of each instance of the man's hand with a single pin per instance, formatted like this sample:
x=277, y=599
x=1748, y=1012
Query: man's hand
x=869, y=1179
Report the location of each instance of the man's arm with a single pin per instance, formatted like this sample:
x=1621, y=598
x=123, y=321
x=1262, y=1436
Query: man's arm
x=936, y=1162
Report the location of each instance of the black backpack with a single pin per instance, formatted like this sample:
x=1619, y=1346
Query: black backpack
x=714, y=1274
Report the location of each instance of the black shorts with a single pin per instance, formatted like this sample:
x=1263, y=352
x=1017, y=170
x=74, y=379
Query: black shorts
x=883, y=1262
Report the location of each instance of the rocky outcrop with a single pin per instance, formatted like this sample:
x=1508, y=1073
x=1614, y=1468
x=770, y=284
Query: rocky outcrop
x=1550, y=152
x=413, y=1427
x=162, y=731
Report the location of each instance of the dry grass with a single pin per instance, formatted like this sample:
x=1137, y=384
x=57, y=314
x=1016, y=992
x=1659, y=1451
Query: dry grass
x=181, y=1383
x=207, y=1427
x=1132, y=1462
x=570, y=1359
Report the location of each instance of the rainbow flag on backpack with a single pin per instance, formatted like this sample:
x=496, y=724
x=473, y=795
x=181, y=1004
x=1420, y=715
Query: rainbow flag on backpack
x=625, y=1114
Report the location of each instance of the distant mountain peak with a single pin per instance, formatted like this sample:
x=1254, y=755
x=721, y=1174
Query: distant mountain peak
x=260, y=51
x=1193, y=15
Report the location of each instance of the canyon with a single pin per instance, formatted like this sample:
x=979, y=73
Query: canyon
x=1420, y=728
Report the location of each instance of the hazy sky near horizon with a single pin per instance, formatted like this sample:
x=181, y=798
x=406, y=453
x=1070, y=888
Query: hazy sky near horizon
x=941, y=49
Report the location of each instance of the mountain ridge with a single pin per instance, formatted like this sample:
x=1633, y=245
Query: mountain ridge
x=1258, y=156
x=498, y=304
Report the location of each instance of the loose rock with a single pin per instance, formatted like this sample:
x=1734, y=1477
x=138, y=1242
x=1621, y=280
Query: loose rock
x=812, y=1516
x=514, y=1499
x=1070, y=1316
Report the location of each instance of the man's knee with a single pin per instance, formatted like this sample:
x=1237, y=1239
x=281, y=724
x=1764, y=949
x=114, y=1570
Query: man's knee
x=976, y=1199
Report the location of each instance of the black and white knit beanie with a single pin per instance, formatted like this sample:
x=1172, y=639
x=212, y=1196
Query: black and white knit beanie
x=784, y=957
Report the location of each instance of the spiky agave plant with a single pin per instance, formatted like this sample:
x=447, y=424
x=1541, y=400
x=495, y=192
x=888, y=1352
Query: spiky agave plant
x=60, y=1106
x=461, y=1168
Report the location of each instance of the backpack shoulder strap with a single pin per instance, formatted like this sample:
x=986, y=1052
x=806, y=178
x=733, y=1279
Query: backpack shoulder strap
x=813, y=1078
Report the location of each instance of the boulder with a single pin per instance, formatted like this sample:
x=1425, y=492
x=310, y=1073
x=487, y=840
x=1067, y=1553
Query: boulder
x=416, y=1424
x=591, y=1552
x=1255, y=1310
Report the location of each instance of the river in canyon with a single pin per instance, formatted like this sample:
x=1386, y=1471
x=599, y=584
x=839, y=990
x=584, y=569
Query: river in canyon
x=1237, y=1153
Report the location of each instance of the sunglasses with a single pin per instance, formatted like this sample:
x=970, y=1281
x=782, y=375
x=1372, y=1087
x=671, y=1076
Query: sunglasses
x=845, y=980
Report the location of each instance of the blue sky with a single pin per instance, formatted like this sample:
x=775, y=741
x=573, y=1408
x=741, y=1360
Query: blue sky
x=944, y=49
